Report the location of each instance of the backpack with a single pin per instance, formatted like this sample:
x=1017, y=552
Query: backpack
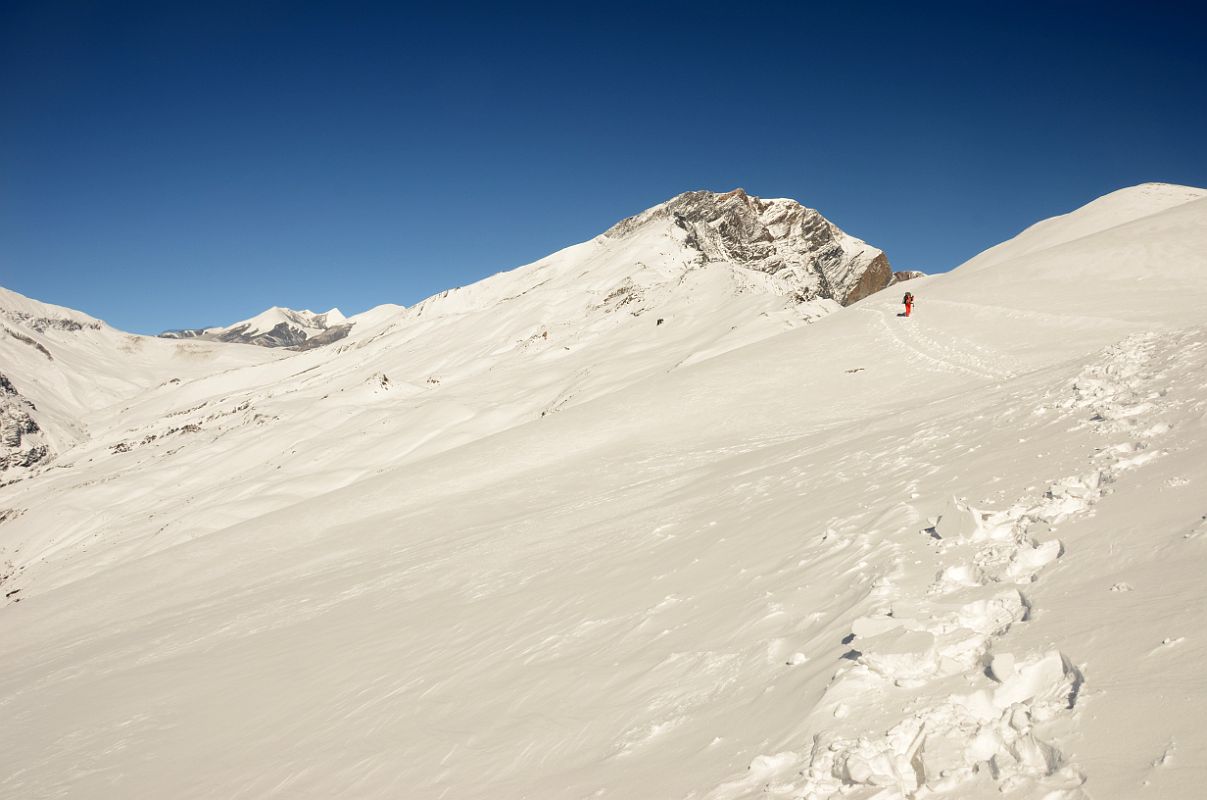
x=909, y=297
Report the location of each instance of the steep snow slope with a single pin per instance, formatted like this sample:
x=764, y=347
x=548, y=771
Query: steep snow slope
x=948, y=556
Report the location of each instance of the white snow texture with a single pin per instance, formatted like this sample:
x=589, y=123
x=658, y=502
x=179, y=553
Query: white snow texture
x=628, y=523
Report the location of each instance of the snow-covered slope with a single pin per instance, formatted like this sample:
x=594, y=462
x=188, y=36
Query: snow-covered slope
x=63, y=371
x=276, y=327
x=1109, y=211
x=468, y=363
x=584, y=322
x=522, y=540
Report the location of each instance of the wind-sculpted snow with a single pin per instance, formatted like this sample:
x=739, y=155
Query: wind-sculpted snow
x=623, y=523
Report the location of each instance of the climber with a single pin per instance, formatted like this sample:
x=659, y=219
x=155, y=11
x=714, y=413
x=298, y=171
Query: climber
x=909, y=303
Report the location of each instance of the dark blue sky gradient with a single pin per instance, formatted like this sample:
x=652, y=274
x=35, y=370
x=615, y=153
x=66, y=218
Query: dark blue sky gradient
x=169, y=165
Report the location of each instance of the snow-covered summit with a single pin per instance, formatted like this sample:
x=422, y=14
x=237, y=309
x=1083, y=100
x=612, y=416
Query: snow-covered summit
x=17, y=308
x=776, y=248
x=266, y=321
x=275, y=327
x=776, y=236
x=1122, y=207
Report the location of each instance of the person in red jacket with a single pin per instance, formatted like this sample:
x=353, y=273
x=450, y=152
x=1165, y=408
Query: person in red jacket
x=909, y=302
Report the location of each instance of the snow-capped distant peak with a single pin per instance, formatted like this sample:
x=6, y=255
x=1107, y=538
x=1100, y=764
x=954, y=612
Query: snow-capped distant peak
x=333, y=317
x=268, y=320
x=276, y=327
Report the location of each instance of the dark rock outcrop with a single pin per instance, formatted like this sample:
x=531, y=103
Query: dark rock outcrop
x=20, y=444
x=907, y=275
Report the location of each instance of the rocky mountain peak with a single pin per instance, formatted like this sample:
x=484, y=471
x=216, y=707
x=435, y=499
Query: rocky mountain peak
x=775, y=236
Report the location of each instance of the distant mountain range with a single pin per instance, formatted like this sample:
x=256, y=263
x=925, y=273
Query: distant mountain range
x=276, y=327
x=808, y=256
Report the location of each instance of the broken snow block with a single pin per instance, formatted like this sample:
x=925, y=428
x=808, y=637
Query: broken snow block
x=958, y=521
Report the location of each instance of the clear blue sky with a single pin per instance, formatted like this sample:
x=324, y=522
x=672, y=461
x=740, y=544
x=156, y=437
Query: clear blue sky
x=184, y=164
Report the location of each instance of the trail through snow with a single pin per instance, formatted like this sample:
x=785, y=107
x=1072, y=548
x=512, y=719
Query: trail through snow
x=946, y=353
x=996, y=731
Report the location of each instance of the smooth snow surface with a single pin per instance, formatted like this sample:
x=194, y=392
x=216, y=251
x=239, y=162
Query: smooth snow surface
x=523, y=541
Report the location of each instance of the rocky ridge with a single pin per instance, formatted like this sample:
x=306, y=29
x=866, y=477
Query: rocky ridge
x=775, y=236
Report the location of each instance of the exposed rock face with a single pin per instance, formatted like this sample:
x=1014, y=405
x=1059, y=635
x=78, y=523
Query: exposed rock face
x=332, y=334
x=280, y=335
x=43, y=324
x=20, y=337
x=907, y=275
x=20, y=443
x=780, y=237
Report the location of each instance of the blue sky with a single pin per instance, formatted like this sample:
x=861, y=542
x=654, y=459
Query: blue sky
x=184, y=164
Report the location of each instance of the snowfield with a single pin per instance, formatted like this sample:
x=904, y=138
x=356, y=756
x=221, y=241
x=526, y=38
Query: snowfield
x=621, y=524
